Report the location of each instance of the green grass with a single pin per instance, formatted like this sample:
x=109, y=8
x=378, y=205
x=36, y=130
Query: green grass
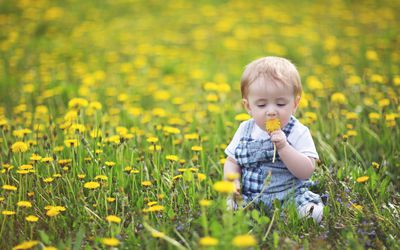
x=154, y=66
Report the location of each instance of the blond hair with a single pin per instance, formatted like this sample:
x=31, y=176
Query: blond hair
x=271, y=68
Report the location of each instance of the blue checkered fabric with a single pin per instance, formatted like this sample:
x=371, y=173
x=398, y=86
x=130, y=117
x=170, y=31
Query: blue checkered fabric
x=255, y=159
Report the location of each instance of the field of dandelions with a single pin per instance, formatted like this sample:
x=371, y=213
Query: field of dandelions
x=114, y=117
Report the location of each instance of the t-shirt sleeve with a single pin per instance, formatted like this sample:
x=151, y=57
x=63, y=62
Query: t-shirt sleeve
x=230, y=149
x=305, y=144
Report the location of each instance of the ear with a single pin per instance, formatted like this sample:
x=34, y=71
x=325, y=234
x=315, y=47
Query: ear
x=296, y=103
x=246, y=105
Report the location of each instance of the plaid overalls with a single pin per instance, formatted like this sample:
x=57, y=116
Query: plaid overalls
x=255, y=159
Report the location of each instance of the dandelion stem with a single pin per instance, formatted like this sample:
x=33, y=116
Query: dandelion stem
x=164, y=237
x=270, y=226
x=273, y=158
x=266, y=182
x=372, y=200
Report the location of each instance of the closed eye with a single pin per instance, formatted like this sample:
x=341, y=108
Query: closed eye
x=281, y=104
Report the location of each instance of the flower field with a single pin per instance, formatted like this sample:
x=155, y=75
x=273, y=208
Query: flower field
x=114, y=117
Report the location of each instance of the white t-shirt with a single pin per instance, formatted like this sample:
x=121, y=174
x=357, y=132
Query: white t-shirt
x=299, y=137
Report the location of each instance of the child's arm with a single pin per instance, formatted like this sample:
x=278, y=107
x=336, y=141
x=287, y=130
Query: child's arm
x=298, y=164
x=231, y=167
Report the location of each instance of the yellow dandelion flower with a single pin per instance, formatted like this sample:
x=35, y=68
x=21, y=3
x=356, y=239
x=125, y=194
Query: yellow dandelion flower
x=2, y=199
x=272, y=125
x=110, y=199
x=9, y=187
x=197, y=148
x=52, y=212
x=26, y=167
x=152, y=139
x=31, y=194
x=46, y=159
x=362, y=179
x=78, y=103
x=192, y=136
x=113, y=218
x=242, y=117
x=22, y=171
x=71, y=143
x=109, y=163
x=19, y=147
x=58, y=149
x=146, y=183
x=111, y=242
x=76, y=128
x=95, y=133
x=208, y=241
x=35, y=157
x=8, y=167
x=26, y=245
x=351, y=133
x=224, y=187
x=374, y=117
x=31, y=218
x=244, y=241
x=338, y=98
x=172, y=157
x=7, y=212
x=351, y=116
x=48, y=180
x=177, y=177
x=81, y=176
x=128, y=169
x=156, y=208
x=24, y=204
x=59, y=208
x=171, y=130
x=91, y=185
x=357, y=207
x=201, y=176
x=384, y=102
x=155, y=148
x=375, y=165
x=205, y=203
x=152, y=203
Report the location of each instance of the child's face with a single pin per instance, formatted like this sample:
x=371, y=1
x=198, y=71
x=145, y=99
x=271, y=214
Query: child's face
x=267, y=100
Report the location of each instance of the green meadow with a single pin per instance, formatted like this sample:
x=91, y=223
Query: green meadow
x=114, y=117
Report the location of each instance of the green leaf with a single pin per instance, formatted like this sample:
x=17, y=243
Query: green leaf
x=255, y=215
x=216, y=228
x=44, y=237
x=275, y=237
x=79, y=237
x=264, y=220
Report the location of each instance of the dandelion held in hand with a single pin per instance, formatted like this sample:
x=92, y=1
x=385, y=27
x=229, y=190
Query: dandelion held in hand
x=272, y=125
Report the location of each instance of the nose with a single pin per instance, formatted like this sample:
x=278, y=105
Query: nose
x=271, y=114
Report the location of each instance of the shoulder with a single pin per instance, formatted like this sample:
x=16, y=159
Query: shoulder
x=298, y=130
x=245, y=124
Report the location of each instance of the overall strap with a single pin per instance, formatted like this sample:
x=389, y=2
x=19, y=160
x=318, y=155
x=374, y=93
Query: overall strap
x=289, y=126
x=248, y=129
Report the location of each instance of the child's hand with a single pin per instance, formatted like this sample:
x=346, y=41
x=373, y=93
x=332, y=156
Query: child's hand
x=279, y=139
x=236, y=193
x=232, y=200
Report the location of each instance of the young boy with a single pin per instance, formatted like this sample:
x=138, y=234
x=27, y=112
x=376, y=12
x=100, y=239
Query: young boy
x=271, y=89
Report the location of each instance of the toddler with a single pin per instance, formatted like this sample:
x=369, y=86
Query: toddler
x=271, y=89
